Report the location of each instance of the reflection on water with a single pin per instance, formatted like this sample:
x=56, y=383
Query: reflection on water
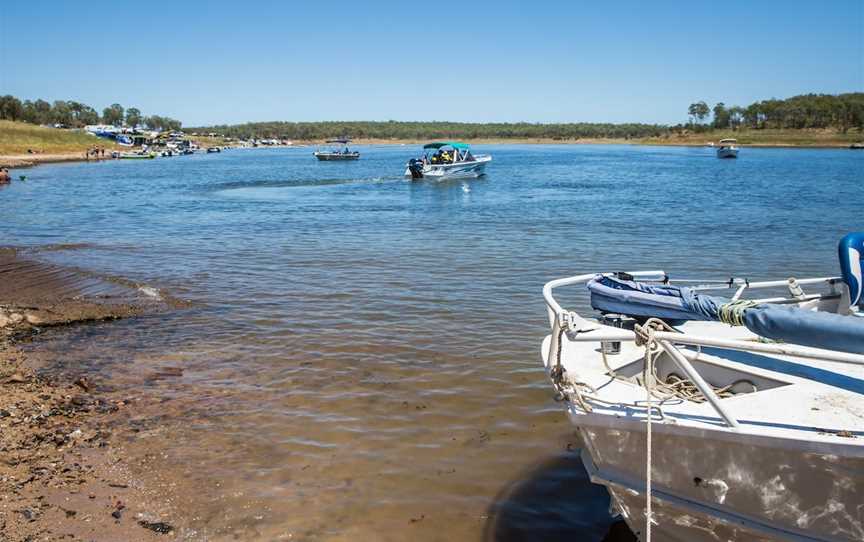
x=360, y=357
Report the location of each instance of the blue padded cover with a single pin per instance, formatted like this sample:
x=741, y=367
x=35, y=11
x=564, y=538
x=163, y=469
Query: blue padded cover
x=614, y=295
x=807, y=328
x=851, y=252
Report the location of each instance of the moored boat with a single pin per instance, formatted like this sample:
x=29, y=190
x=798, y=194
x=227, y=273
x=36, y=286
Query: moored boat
x=756, y=425
x=133, y=155
x=339, y=151
x=447, y=160
x=727, y=148
x=212, y=150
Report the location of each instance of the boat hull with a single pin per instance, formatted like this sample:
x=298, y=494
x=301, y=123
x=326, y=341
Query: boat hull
x=724, y=485
x=727, y=153
x=330, y=157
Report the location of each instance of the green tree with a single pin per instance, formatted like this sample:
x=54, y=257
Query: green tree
x=133, y=117
x=10, y=108
x=698, y=112
x=736, y=116
x=721, y=116
x=88, y=116
x=113, y=115
x=61, y=113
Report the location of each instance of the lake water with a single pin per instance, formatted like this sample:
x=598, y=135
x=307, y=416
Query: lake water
x=361, y=353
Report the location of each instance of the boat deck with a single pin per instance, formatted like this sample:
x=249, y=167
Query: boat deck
x=798, y=398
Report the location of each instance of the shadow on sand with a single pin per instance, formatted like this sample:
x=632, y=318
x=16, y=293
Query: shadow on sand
x=554, y=501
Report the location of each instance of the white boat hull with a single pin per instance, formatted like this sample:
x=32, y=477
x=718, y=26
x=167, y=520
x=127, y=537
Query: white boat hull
x=727, y=152
x=458, y=170
x=709, y=487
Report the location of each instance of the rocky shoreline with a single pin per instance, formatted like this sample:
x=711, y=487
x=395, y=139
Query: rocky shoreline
x=64, y=473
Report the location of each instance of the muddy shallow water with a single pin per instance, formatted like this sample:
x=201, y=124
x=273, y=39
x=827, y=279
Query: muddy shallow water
x=360, y=354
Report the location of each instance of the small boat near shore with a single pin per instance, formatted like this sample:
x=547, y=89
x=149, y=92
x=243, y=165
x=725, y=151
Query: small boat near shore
x=727, y=148
x=339, y=151
x=211, y=150
x=711, y=418
x=133, y=155
x=447, y=160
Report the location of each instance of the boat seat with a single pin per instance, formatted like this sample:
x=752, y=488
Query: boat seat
x=851, y=253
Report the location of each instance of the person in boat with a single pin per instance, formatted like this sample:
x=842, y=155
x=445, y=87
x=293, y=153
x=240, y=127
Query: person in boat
x=4, y=176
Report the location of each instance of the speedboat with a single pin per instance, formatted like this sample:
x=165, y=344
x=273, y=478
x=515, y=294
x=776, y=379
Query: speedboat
x=339, y=151
x=727, y=148
x=447, y=160
x=719, y=418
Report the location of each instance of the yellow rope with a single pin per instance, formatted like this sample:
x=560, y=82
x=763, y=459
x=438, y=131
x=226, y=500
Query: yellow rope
x=732, y=313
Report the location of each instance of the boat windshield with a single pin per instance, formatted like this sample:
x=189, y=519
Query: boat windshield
x=448, y=154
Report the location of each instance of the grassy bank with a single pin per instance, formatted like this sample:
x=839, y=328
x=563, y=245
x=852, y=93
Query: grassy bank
x=19, y=137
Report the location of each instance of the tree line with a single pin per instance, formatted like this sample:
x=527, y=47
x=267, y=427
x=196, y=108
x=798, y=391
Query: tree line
x=840, y=112
x=431, y=130
x=837, y=111
x=74, y=114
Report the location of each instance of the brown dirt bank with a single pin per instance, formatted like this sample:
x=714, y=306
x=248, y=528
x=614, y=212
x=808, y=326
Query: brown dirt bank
x=30, y=160
x=64, y=472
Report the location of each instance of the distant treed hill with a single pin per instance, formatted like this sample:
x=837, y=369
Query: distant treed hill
x=807, y=111
x=432, y=130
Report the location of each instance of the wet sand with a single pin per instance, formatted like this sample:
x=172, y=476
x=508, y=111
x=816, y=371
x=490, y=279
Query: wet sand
x=64, y=472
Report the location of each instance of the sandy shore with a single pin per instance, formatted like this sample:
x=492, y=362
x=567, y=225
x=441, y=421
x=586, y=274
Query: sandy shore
x=64, y=472
x=29, y=160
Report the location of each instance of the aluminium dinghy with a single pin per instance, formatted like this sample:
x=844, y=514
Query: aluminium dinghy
x=707, y=417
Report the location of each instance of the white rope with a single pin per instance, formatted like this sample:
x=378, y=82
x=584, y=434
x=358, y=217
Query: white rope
x=649, y=379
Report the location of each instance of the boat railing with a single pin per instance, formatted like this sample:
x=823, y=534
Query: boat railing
x=583, y=330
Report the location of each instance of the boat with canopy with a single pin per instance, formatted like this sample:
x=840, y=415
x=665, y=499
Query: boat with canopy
x=447, y=160
x=727, y=148
x=709, y=417
x=338, y=151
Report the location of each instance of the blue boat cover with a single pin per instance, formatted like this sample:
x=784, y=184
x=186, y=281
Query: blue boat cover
x=676, y=304
x=639, y=300
x=807, y=328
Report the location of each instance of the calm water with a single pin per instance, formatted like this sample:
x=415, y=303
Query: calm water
x=361, y=359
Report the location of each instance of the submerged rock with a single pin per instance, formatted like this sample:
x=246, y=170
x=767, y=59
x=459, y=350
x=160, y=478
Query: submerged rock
x=157, y=526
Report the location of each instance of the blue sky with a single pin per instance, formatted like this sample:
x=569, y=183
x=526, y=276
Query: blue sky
x=557, y=61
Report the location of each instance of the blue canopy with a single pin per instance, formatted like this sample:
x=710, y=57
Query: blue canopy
x=439, y=144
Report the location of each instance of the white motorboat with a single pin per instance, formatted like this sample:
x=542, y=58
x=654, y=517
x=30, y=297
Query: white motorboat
x=447, y=160
x=727, y=148
x=339, y=152
x=756, y=431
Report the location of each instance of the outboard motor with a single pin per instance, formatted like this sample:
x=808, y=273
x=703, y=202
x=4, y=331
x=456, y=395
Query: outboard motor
x=415, y=166
x=851, y=252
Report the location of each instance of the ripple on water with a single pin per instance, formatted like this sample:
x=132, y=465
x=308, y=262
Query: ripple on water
x=361, y=359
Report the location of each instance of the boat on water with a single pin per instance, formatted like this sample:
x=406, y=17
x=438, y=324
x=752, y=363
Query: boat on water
x=857, y=146
x=727, y=148
x=447, y=160
x=338, y=151
x=720, y=418
x=133, y=155
x=212, y=150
